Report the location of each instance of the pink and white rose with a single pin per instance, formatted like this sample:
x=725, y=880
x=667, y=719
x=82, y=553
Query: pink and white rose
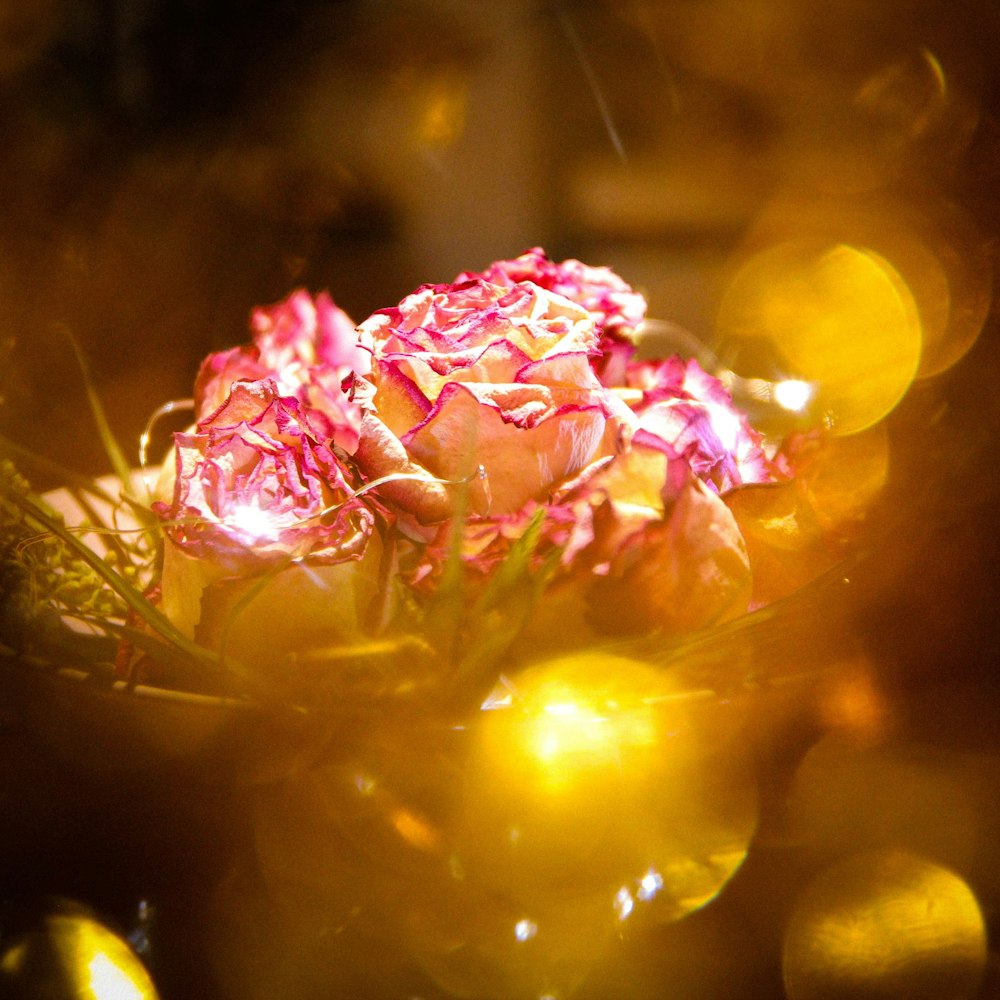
x=253, y=484
x=307, y=346
x=476, y=375
x=468, y=412
x=690, y=415
x=301, y=331
x=258, y=492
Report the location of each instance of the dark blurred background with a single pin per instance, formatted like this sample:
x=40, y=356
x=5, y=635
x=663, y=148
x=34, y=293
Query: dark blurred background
x=168, y=164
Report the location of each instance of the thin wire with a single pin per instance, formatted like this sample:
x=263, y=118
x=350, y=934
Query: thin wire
x=173, y=406
x=595, y=86
x=394, y=477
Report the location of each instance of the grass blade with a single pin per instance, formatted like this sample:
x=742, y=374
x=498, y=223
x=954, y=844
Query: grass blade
x=112, y=449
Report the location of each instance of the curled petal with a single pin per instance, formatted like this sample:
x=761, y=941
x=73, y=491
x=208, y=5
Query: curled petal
x=466, y=430
x=442, y=320
x=687, y=571
x=694, y=418
x=613, y=303
x=307, y=347
x=409, y=485
x=300, y=332
x=484, y=543
x=219, y=371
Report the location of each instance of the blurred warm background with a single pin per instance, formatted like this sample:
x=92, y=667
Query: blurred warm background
x=808, y=191
x=168, y=165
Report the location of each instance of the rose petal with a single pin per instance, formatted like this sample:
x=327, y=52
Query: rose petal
x=599, y=290
x=686, y=572
x=693, y=415
x=522, y=463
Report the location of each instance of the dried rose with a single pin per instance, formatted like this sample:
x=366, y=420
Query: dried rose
x=686, y=570
x=668, y=552
x=257, y=492
x=663, y=553
x=689, y=415
x=307, y=346
x=476, y=375
x=252, y=483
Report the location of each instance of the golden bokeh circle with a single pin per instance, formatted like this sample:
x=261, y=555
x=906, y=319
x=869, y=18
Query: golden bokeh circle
x=75, y=956
x=885, y=924
x=838, y=316
x=602, y=776
x=936, y=250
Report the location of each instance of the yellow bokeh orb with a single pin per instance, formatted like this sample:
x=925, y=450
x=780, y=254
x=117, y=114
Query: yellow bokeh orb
x=885, y=924
x=599, y=774
x=72, y=955
x=841, y=320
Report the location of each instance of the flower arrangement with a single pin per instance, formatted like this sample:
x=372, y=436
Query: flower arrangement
x=490, y=464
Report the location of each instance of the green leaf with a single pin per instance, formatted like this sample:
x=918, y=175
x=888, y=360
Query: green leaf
x=515, y=571
x=501, y=611
x=112, y=449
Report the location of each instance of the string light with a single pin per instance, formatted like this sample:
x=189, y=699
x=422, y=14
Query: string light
x=172, y=406
x=792, y=394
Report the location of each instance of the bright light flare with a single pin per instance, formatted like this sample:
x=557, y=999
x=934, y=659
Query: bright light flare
x=564, y=732
x=793, y=394
x=525, y=929
x=726, y=425
x=251, y=520
x=649, y=885
x=603, y=771
x=108, y=981
x=80, y=954
x=624, y=903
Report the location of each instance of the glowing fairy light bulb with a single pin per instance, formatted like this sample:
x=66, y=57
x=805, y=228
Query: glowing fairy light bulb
x=109, y=981
x=624, y=903
x=525, y=929
x=792, y=394
x=251, y=520
x=649, y=885
x=726, y=424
